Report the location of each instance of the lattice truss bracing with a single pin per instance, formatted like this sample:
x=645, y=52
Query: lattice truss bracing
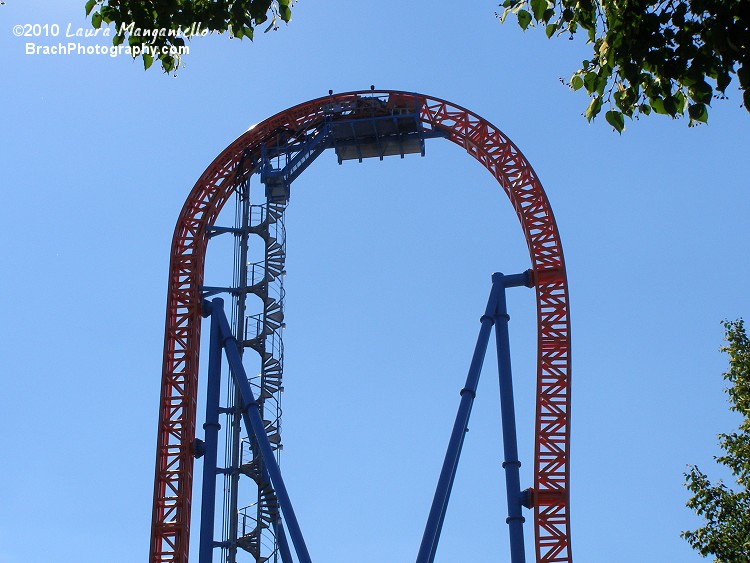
x=481, y=140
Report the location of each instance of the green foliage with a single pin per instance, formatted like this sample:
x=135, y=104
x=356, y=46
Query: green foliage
x=669, y=56
x=726, y=534
x=151, y=26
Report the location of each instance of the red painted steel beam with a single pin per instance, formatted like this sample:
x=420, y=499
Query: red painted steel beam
x=483, y=141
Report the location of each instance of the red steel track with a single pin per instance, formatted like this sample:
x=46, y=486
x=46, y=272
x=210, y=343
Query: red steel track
x=177, y=406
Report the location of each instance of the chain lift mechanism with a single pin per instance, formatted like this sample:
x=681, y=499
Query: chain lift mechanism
x=257, y=514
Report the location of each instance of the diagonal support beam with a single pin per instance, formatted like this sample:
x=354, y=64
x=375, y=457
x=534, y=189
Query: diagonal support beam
x=428, y=548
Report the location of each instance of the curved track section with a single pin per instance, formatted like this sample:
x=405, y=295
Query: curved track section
x=177, y=408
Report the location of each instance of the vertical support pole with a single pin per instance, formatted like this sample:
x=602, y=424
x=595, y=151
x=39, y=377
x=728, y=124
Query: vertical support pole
x=211, y=427
x=428, y=548
x=233, y=479
x=511, y=464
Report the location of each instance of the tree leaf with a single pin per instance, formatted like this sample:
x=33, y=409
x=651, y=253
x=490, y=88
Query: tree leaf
x=670, y=105
x=524, y=19
x=576, y=83
x=538, y=7
x=658, y=105
x=550, y=30
x=701, y=92
x=698, y=112
x=96, y=20
x=680, y=102
x=722, y=81
x=148, y=60
x=90, y=6
x=167, y=63
x=589, y=80
x=616, y=120
x=593, y=109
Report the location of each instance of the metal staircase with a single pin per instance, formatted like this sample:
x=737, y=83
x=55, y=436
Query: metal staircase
x=258, y=321
x=263, y=334
x=256, y=521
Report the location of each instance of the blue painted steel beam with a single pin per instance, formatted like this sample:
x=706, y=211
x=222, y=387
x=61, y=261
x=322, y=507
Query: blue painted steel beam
x=254, y=425
x=214, y=231
x=211, y=427
x=516, y=280
x=510, y=447
x=210, y=291
x=286, y=554
x=428, y=547
x=306, y=153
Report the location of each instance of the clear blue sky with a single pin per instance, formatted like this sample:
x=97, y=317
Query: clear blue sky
x=389, y=267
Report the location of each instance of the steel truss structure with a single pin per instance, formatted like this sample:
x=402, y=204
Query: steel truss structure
x=303, y=131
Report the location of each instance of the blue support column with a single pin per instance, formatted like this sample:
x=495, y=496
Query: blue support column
x=511, y=464
x=211, y=427
x=286, y=555
x=428, y=548
x=254, y=426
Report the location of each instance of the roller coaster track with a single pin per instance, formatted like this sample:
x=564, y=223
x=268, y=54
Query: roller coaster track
x=177, y=407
